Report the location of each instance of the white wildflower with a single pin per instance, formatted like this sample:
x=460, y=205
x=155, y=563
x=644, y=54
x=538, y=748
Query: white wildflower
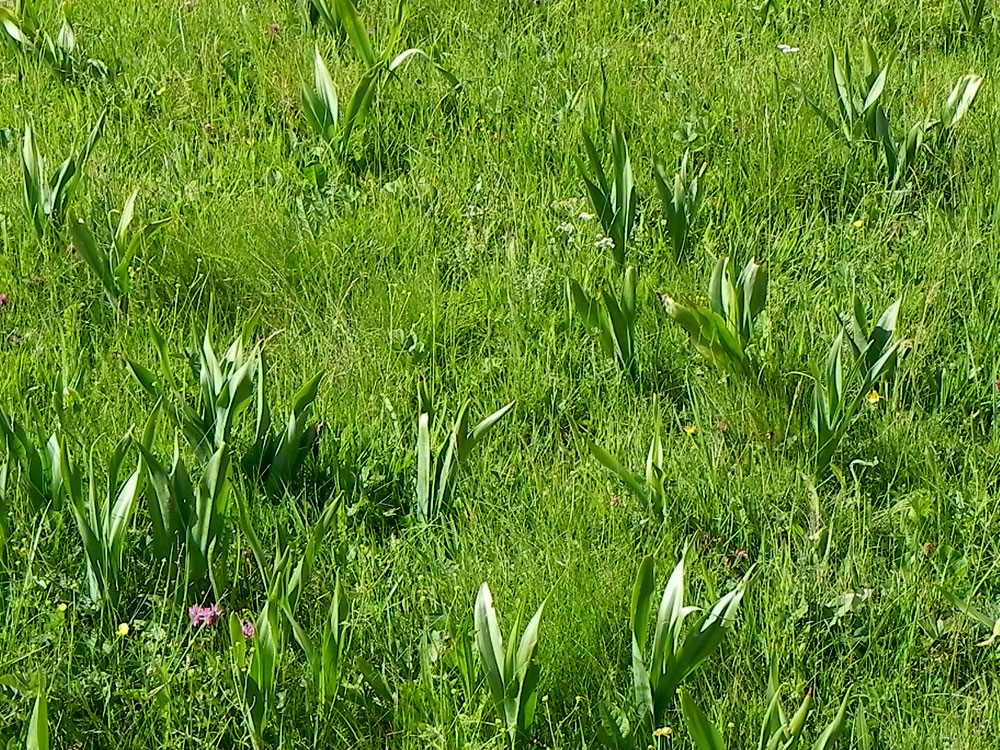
x=604, y=243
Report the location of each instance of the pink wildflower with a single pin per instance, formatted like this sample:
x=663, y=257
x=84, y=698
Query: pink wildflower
x=205, y=617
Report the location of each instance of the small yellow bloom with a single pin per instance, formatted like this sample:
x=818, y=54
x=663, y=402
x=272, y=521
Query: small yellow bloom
x=123, y=629
x=62, y=607
x=663, y=732
x=691, y=430
x=858, y=224
x=873, y=397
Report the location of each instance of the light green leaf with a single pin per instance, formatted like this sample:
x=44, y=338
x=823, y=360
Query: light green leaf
x=38, y=726
x=704, y=733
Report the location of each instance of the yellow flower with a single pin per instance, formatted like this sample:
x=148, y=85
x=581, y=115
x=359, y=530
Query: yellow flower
x=691, y=430
x=663, y=732
x=62, y=607
x=858, y=224
x=873, y=397
x=123, y=629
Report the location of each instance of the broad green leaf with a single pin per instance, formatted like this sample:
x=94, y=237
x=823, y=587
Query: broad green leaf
x=359, y=103
x=704, y=733
x=875, y=91
x=529, y=642
x=860, y=734
x=355, y=30
x=423, y=488
x=610, y=462
x=641, y=689
x=614, y=731
x=668, y=619
x=642, y=592
x=489, y=643
x=414, y=53
x=967, y=609
x=834, y=729
x=12, y=27
x=628, y=295
x=326, y=93
x=586, y=306
x=480, y=430
x=797, y=723
x=961, y=98
x=706, y=635
x=38, y=726
x=237, y=641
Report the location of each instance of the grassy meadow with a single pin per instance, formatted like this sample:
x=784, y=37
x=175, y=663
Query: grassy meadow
x=238, y=554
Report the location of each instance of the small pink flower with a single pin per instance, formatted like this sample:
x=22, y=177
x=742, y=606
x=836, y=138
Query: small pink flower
x=4, y=301
x=205, y=617
x=249, y=630
x=274, y=29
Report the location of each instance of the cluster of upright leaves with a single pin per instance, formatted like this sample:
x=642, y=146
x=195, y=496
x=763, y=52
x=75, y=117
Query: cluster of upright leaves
x=21, y=26
x=321, y=12
x=649, y=490
x=777, y=730
x=285, y=575
x=225, y=389
x=37, y=460
x=839, y=391
x=438, y=470
x=227, y=386
x=658, y=672
x=191, y=522
x=900, y=155
x=611, y=320
x=512, y=675
x=722, y=332
x=104, y=519
x=682, y=198
x=277, y=453
x=46, y=199
x=320, y=102
x=113, y=266
x=972, y=15
x=861, y=117
x=614, y=199
x=256, y=671
x=20, y=23
x=327, y=655
x=856, y=92
x=612, y=195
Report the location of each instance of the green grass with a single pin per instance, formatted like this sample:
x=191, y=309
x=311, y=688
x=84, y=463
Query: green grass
x=442, y=221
